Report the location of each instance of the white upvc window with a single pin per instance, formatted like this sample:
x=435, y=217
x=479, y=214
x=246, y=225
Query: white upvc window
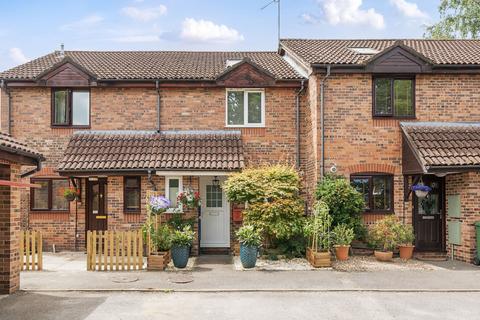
x=173, y=186
x=245, y=108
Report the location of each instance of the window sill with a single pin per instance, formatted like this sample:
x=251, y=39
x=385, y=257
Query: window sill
x=32, y=211
x=377, y=117
x=245, y=126
x=54, y=126
x=379, y=212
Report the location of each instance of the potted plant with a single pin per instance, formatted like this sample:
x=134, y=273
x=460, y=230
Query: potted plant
x=158, y=204
x=343, y=237
x=318, y=230
x=71, y=194
x=181, y=242
x=383, y=236
x=161, y=239
x=250, y=239
x=189, y=199
x=406, y=239
x=421, y=190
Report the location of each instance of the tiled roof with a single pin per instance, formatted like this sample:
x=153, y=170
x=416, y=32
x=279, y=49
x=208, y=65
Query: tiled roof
x=8, y=144
x=444, y=143
x=163, y=65
x=142, y=150
x=442, y=52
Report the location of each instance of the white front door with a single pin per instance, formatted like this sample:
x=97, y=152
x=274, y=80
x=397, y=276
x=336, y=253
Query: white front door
x=215, y=218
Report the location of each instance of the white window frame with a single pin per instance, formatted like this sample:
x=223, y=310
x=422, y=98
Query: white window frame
x=245, y=108
x=167, y=192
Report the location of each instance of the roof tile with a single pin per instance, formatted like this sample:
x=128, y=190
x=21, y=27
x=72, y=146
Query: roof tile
x=144, y=150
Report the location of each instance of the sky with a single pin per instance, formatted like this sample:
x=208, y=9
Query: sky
x=32, y=28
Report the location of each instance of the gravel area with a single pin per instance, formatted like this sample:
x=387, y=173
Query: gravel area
x=297, y=264
x=369, y=264
x=353, y=264
x=190, y=265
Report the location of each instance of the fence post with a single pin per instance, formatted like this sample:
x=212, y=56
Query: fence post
x=40, y=251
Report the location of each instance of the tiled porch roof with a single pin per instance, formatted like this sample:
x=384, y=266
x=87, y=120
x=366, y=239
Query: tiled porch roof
x=11, y=145
x=444, y=144
x=116, y=151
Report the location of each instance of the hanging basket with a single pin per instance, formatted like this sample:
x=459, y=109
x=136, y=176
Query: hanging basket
x=421, y=190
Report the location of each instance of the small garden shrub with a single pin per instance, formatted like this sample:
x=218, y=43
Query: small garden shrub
x=318, y=228
x=273, y=204
x=343, y=235
x=384, y=234
x=178, y=222
x=345, y=203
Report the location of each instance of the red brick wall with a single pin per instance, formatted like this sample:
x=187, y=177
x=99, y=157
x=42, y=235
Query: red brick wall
x=356, y=142
x=467, y=185
x=9, y=231
x=135, y=109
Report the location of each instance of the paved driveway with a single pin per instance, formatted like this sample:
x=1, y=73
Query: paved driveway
x=222, y=306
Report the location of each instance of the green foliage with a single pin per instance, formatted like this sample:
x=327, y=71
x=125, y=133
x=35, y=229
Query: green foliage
x=162, y=238
x=343, y=235
x=281, y=219
x=458, y=19
x=384, y=233
x=273, y=204
x=318, y=227
x=405, y=234
x=249, y=236
x=265, y=183
x=184, y=237
x=344, y=202
x=178, y=222
x=293, y=247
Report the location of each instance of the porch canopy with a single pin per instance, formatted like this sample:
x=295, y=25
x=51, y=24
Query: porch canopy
x=440, y=147
x=123, y=152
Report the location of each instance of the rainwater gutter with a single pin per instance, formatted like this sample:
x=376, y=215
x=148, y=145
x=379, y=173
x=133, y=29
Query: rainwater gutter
x=297, y=122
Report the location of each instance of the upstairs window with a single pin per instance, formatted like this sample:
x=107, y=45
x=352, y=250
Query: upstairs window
x=394, y=97
x=245, y=108
x=71, y=107
x=377, y=191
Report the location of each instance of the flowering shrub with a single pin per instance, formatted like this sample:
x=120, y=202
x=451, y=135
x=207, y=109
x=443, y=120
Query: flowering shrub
x=384, y=234
x=183, y=238
x=248, y=236
x=189, y=199
x=158, y=204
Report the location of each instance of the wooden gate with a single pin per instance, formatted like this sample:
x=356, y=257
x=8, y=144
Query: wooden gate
x=31, y=250
x=114, y=250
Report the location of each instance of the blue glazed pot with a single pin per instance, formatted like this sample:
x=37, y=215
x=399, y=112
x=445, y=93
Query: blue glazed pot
x=248, y=256
x=180, y=256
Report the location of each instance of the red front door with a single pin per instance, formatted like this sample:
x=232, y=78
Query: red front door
x=96, y=204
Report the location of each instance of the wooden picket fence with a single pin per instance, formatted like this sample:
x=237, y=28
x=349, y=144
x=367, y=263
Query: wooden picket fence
x=114, y=250
x=31, y=257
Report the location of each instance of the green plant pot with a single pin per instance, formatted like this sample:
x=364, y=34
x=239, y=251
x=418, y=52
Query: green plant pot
x=180, y=256
x=248, y=256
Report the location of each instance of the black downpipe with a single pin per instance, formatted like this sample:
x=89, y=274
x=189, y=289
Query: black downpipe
x=297, y=123
x=3, y=85
x=157, y=87
x=322, y=122
x=149, y=177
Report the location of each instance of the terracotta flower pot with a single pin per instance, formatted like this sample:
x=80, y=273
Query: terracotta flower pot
x=383, y=256
x=341, y=252
x=406, y=252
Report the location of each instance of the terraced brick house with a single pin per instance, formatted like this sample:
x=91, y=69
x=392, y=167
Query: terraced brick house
x=116, y=124
x=386, y=114
x=389, y=114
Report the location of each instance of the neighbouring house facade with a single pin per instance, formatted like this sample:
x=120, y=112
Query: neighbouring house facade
x=386, y=114
x=117, y=125
x=13, y=155
x=397, y=114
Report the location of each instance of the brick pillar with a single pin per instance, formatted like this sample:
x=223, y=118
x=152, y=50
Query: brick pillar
x=9, y=230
